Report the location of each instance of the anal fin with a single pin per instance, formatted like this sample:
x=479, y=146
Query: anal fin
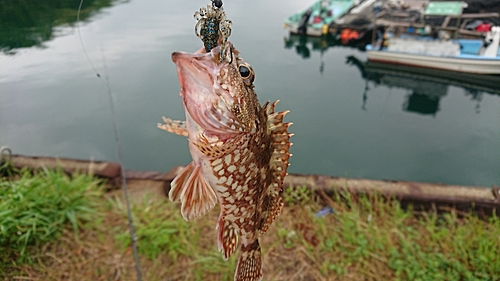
x=227, y=237
x=193, y=191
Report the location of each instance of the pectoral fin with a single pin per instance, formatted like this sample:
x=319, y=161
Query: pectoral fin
x=193, y=191
x=174, y=126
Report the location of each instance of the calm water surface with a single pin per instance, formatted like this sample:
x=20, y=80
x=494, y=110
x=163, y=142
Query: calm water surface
x=349, y=120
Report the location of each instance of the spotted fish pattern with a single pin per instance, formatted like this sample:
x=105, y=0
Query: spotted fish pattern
x=240, y=152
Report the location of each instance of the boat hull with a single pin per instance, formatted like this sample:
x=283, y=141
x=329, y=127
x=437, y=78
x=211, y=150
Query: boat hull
x=310, y=30
x=458, y=64
x=478, y=82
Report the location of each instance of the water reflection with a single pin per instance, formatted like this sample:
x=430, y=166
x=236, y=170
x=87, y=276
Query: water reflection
x=320, y=44
x=25, y=24
x=426, y=86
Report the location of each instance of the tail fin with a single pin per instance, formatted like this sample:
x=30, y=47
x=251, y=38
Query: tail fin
x=249, y=266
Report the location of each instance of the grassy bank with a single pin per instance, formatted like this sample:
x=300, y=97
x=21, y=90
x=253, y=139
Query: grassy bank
x=35, y=210
x=77, y=233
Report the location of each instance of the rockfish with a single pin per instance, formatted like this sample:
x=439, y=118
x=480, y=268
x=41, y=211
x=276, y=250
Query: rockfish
x=240, y=152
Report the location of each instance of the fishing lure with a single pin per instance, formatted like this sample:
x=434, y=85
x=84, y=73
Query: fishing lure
x=212, y=27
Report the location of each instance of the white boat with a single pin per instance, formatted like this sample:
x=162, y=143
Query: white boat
x=462, y=55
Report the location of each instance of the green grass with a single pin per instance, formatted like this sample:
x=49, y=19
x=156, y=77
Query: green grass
x=35, y=208
x=367, y=237
x=453, y=250
x=158, y=231
x=162, y=234
x=375, y=238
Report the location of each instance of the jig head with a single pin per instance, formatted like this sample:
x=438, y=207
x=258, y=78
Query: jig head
x=212, y=27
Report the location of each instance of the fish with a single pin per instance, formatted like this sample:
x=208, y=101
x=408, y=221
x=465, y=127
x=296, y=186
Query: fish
x=240, y=151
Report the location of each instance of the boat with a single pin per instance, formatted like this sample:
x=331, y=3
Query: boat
x=388, y=74
x=461, y=55
x=461, y=19
x=433, y=46
x=426, y=87
x=315, y=20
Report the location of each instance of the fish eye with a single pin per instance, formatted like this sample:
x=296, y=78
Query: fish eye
x=244, y=71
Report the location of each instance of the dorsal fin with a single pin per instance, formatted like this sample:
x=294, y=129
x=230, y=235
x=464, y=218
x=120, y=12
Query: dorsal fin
x=279, y=162
x=280, y=144
x=269, y=214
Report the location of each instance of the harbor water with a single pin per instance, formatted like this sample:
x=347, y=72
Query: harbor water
x=350, y=118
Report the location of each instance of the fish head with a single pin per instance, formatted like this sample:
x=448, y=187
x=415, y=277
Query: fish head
x=217, y=92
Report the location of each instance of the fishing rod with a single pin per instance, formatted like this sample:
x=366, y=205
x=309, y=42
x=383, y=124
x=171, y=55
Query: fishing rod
x=133, y=237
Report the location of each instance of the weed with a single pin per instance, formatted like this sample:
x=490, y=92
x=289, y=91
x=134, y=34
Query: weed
x=34, y=209
x=7, y=169
x=372, y=237
x=158, y=230
x=367, y=238
x=289, y=237
x=296, y=195
x=162, y=232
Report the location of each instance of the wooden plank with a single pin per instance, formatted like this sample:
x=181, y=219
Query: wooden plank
x=98, y=168
x=446, y=21
x=465, y=198
x=479, y=199
x=481, y=15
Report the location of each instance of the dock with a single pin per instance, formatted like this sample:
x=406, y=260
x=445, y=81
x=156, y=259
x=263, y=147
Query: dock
x=480, y=200
x=387, y=15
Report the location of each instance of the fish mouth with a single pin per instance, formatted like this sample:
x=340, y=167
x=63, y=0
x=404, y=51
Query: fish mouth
x=196, y=72
x=200, y=64
x=205, y=101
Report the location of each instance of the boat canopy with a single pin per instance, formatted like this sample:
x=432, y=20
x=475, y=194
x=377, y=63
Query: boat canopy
x=323, y=12
x=441, y=8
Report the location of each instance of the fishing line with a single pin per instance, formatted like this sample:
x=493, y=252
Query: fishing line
x=122, y=170
x=81, y=41
x=118, y=147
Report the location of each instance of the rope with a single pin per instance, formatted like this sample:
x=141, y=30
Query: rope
x=6, y=149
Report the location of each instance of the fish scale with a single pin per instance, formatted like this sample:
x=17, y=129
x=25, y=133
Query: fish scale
x=240, y=153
